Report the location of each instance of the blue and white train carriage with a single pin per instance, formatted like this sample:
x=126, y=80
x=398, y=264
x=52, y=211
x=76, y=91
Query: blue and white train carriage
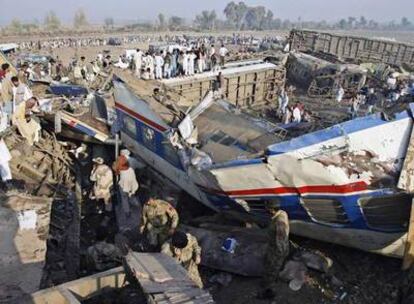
x=339, y=184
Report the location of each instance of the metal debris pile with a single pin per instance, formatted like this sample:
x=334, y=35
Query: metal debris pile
x=44, y=167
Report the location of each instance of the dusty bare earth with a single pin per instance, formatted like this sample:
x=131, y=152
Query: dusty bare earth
x=357, y=278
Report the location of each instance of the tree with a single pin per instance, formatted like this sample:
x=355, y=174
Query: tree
x=277, y=24
x=80, y=19
x=373, y=24
x=286, y=24
x=268, y=21
x=362, y=22
x=351, y=22
x=342, y=24
x=230, y=12
x=255, y=18
x=52, y=22
x=30, y=27
x=175, y=23
x=206, y=20
x=109, y=22
x=235, y=13
x=161, y=21
x=405, y=23
x=16, y=26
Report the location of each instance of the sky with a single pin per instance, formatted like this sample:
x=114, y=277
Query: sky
x=128, y=10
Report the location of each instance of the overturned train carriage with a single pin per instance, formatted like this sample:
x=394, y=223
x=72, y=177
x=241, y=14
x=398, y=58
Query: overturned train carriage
x=322, y=78
x=352, y=49
x=246, y=83
x=337, y=184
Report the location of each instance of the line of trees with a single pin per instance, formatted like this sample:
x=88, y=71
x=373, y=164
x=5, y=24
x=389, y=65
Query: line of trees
x=238, y=16
x=51, y=23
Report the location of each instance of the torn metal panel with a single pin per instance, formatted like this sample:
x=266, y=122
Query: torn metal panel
x=256, y=176
x=387, y=140
x=89, y=128
x=83, y=118
x=130, y=104
x=307, y=172
x=203, y=105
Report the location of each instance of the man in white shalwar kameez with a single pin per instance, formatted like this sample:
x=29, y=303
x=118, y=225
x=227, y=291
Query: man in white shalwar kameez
x=21, y=92
x=159, y=63
x=138, y=63
x=102, y=177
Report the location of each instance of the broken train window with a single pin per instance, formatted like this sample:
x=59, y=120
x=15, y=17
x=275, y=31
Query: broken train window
x=325, y=210
x=389, y=213
x=130, y=127
x=148, y=137
x=170, y=154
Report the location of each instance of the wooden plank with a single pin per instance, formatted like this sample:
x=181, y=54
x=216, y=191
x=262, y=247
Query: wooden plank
x=148, y=267
x=408, y=260
x=151, y=270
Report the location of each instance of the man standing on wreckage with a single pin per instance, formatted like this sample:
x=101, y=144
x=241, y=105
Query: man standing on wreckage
x=277, y=250
x=102, y=177
x=128, y=184
x=184, y=248
x=159, y=221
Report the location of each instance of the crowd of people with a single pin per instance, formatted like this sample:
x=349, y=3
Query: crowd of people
x=188, y=40
x=175, y=62
x=374, y=96
x=164, y=62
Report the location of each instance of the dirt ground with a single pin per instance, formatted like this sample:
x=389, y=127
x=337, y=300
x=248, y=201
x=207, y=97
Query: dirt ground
x=357, y=278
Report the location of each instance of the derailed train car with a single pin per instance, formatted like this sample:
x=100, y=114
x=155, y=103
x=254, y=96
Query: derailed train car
x=339, y=184
x=322, y=78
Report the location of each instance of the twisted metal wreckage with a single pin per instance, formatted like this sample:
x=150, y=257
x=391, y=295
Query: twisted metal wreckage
x=348, y=184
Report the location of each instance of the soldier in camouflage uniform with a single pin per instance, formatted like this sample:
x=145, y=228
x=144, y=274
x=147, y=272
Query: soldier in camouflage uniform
x=184, y=248
x=102, y=255
x=278, y=248
x=159, y=221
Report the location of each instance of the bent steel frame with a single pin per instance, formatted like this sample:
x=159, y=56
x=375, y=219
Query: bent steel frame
x=351, y=48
